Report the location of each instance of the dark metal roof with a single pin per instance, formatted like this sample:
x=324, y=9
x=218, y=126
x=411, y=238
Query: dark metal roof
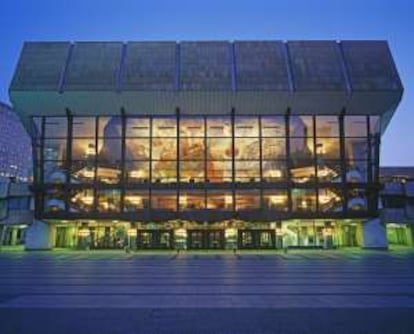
x=206, y=77
x=208, y=65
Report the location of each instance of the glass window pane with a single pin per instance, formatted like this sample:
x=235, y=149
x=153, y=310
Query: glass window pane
x=192, y=200
x=166, y=200
x=81, y=200
x=247, y=199
x=109, y=150
x=273, y=148
x=330, y=200
x=329, y=171
x=303, y=200
x=327, y=126
x=84, y=127
x=82, y=171
x=357, y=200
x=192, y=149
x=54, y=200
x=54, y=149
x=246, y=148
x=137, y=149
x=275, y=200
x=83, y=149
x=110, y=127
x=54, y=171
x=247, y=171
x=219, y=171
x=56, y=127
x=136, y=200
x=109, y=175
x=274, y=170
x=246, y=126
x=164, y=171
x=109, y=200
x=273, y=126
x=137, y=127
x=192, y=171
x=219, y=148
x=137, y=171
x=356, y=148
x=219, y=200
x=164, y=149
x=218, y=127
x=355, y=126
x=164, y=127
x=192, y=127
x=301, y=126
x=375, y=124
x=356, y=171
x=328, y=148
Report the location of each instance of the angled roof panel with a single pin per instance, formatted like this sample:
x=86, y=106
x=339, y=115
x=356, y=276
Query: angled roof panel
x=93, y=66
x=316, y=65
x=150, y=66
x=370, y=66
x=205, y=66
x=40, y=66
x=261, y=65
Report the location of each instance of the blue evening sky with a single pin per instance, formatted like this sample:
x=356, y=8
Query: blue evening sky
x=124, y=20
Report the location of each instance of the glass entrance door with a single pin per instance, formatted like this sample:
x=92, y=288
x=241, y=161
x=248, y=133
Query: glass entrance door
x=60, y=237
x=154, y=239
x=205, y=239
x=257, y=239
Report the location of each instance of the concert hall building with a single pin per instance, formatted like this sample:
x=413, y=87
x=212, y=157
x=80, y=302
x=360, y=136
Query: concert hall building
x=206, y=144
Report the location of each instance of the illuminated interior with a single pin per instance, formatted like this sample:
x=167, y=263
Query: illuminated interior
x=214, y=150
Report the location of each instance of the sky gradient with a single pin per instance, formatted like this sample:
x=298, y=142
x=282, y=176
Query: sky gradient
x=122, y=20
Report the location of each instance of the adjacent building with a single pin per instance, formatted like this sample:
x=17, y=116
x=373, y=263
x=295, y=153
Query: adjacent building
x=397, y=204
x=247, y=144
x=15, y=146
x=16, y=211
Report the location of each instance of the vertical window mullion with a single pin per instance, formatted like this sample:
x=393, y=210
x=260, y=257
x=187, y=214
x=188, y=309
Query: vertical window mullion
x=343, y=160
x=178, y=178
x=233, y=166
x=288, y=160
x=315, y=164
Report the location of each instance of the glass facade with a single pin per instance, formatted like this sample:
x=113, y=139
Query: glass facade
x=293, y=164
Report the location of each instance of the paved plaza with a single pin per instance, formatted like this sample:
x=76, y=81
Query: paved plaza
x=350, y=291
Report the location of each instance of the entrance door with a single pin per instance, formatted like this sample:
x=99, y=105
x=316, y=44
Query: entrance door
x=349, y=236
x=61, y=237
x=154, y=239
x=205, y=239
x=256, y=239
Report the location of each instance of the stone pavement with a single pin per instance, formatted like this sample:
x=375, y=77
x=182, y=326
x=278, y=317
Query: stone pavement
x=207, y=292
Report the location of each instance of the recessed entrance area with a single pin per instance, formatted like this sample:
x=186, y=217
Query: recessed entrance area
x=229, y=234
